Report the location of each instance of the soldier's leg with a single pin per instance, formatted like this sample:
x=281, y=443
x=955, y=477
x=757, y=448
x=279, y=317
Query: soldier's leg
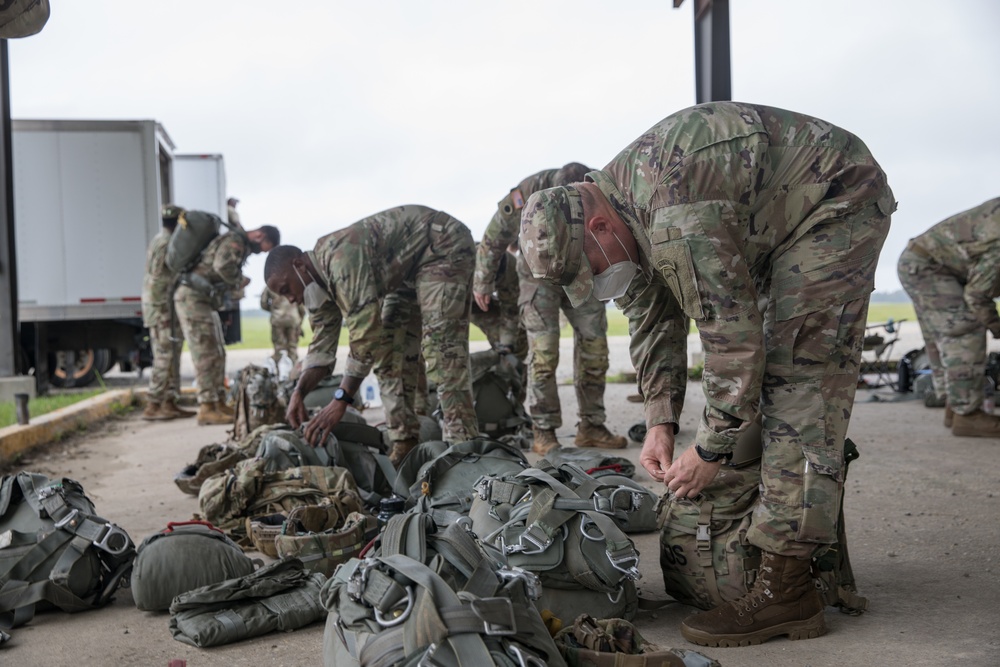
x=444, y=292
x=397, y=311
x=540, y=315
x=203, y=331
x=929, y=290
x=176, y=348
x=160, y=384
x=590, y=357
x=275, y=341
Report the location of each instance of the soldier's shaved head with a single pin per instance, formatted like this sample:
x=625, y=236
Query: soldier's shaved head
x=279, y=261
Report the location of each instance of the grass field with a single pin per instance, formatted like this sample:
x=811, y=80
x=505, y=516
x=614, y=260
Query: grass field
x=41, y=405
x=257, y=328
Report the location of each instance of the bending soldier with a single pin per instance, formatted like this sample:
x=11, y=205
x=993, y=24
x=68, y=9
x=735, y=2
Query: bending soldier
x=764, y=226
x=952, y=274
x=345, y=279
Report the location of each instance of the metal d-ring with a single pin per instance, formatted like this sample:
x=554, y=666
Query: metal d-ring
x=584, y=522
x=399, y=619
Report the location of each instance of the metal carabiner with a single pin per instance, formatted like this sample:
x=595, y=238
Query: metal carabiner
x=405, y=614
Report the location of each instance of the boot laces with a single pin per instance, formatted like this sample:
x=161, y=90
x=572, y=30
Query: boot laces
x=758, y=594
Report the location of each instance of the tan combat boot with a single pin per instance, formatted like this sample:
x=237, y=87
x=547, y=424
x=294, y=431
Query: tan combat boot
x=154, y=412
x=545, y=440
x=949, y=417
x=976, y=424
x=169, y=407
x=226, y=410
x=209, y=415
x=597, y=435
x=400, y=448
x=783, y=601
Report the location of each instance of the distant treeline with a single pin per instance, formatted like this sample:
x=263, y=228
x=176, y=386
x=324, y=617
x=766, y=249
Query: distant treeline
x=898, y=296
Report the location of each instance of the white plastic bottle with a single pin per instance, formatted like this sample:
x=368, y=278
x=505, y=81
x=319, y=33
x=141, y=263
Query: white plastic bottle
x=989, y=390
x=285, y=365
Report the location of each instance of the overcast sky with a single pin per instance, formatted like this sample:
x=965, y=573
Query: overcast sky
x=329, y=111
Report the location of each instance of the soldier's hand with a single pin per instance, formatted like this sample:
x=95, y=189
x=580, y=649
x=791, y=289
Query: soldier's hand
x=296, y=413
x=320, y=426
x=689, y=474
x=658, y=450
x=482, y=300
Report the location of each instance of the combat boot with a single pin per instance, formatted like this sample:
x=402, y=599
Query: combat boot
x=154, y=412
x=209, y=415
x=597, y=435
x=932, y=400
x=949, y=417
x=400, y=448
x=171, y=408
x=976, y=424
x=226, y=410
x=544, y=440
x=782, y=601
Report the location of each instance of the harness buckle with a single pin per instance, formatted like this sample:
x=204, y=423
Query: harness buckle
x=507, y=628
x=627, y=564
x=532, y=585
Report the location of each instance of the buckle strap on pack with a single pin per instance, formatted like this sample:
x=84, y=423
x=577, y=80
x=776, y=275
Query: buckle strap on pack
x=102, y=534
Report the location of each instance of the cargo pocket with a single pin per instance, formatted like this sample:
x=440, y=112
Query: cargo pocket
x=821, y=489
x=673, y=259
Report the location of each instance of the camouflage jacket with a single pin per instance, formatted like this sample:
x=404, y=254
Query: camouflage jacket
x=157, y=282
x=222, y=260
x=363, y=263
x=967, y=246
x=502, y=229
x=710, y=194
x=283, y=312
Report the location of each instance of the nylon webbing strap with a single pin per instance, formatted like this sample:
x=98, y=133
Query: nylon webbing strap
x=233, y=627
x=704, y=538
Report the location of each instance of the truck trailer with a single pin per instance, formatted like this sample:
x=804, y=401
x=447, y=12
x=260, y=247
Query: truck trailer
x=87, y=199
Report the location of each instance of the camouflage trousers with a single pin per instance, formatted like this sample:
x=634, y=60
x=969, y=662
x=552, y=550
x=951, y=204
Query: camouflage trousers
x=814, y=325
x=955, y=338
x=540, y=304
x=402, y=374
x=165, y=375
x=439, y=319
x=203, y=331
x=285, y=337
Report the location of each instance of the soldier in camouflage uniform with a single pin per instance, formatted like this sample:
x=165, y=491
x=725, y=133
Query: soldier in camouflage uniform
x=346, y=278
x=764, y=226
x=401, y=371
x=952, y=273
x=286, y=324
x=197, y=301
x=164, y=337
x=539, y=305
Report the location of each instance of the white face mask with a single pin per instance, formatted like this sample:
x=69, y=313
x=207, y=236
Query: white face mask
x=313, y=296
x=613, y=282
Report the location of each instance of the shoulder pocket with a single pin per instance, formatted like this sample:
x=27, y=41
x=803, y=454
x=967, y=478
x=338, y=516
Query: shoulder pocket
x=673, y=260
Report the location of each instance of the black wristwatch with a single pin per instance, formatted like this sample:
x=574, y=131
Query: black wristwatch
x=341, y=395
x=712, y=457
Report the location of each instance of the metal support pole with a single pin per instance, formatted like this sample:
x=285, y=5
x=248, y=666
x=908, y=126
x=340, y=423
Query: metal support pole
x=9, y=356
x=712, y=61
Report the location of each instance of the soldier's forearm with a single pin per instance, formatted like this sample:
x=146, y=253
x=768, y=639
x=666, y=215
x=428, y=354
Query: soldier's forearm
x=310, y=378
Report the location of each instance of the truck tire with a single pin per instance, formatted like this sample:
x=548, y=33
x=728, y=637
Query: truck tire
x=88, y=363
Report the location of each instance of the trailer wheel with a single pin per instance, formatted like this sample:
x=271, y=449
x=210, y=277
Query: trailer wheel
x=87, y=363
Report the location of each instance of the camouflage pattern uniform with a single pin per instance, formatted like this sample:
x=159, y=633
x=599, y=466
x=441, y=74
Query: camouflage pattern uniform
x=764, y=226
x=286, y=323
x=220, y=265
x=539, y=304
x=157, y=294
x=952, y=273
x=402, y=373
x=367, y=261
x=502, y=322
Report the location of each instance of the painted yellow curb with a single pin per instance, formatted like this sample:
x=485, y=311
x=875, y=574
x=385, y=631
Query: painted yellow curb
x=17, y=439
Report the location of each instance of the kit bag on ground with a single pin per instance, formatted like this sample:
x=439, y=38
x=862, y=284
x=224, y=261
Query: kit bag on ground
x=440, y=478
x=565, y=527
x=707, y=560
x=54, y=550
x=185, y=556
x=217, y=458
x=433, y=596
x=248, y=490
x=281, y=596
x=614, y=642
x=593, y=461
x=264, y=529
x=257, y=402
x=322, y=538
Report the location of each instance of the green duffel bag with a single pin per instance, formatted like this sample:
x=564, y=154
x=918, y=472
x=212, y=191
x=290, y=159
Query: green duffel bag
x=594, y=462
x=440, y=478
x=184, y=556
x=281, y=596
